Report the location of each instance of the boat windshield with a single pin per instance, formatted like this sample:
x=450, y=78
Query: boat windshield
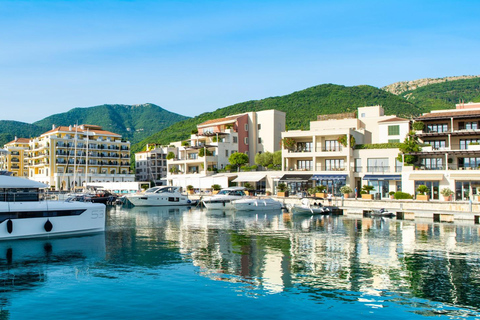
x=231, y=193
x=152, y=190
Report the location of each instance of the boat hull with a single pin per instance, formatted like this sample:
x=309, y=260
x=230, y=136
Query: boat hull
x=256, y=205
x=308, y=210
x=49, y=219
x=154, y=200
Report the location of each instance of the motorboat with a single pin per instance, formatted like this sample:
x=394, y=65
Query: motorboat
x=159, y=196
x=308, y=207
x=223, y=199
x=256, y=204
x=379, y=213
x=25, y=214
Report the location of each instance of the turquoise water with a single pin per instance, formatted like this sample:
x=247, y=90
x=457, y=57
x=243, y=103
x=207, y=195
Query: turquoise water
x=155, y=263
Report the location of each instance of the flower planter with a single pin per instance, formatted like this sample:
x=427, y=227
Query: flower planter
x=215, y=191
x=191, y=191
x=282, y=193
x=345, y=195
x=423, y=197
x=367, y=196
x=446, y=198
x=321, y=195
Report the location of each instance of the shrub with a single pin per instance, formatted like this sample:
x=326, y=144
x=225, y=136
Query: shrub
x=282, y=187
x=422, y=189
x=346, y=189
x=189, y=187
x=391, y=193
x=402, y=195
x=446, y=192
x=367, y=188
x=216, y=187
x=320, y=189
x=418, y=125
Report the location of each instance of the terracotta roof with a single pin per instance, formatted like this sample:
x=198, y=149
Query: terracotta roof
x=78, y=129
x=208, y=122
x=449, y=114
x=19, y=140
x=396, y=119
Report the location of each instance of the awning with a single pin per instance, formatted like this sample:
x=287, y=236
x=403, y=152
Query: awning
x=426, y=176
x=329, y=177
x=465, y=177
x=395, y=177
x=296, y=177
x=249, y=178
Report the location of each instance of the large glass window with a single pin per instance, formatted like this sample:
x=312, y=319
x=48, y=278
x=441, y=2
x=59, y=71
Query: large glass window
x=432, y=187
x=377, y=165
x=358, y=165
x=433, y=163
x=468, y=162
x=436, y=144
x=394, y=130
x=465, y=142
x=304, y=146
x=438, y=127
x=332, y=145
x=334, y=164
x=304, y=164
x=472, y=125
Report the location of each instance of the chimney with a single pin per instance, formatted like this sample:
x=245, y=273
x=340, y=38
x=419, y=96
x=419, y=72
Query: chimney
x=70, y=128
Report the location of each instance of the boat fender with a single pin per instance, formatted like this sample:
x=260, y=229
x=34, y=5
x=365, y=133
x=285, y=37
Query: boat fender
x=48, y=226
x=9, y=225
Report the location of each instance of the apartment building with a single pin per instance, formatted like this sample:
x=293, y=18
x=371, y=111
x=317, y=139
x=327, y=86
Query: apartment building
x=325, y=154
x=151, y=164
x=67, y=157
x=208, y=150
x=451, y=157
x=14, y=158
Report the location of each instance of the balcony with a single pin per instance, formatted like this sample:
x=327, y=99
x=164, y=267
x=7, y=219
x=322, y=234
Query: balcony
x=378, y=169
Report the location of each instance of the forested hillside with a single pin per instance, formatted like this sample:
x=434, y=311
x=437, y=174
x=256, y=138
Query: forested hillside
x=445, y=95
x=301, y=108
x=133, y=122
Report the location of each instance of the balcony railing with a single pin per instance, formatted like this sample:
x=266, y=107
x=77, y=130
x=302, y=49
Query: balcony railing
x=378, y=169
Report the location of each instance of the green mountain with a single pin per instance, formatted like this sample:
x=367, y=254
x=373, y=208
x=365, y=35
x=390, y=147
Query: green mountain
x=301, y=107
x=133, y=122
x=444, y=95
x=11, y=129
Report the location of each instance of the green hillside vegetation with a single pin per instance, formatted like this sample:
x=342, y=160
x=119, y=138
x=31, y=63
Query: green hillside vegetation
x=11, y=129
x=445, y=95
x=301, y=107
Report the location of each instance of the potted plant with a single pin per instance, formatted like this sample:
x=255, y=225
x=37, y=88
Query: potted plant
x=392, y=194
x=446, y=193
x=311, y=191
x=366, y=192
x=282, y=190
x=423, y=193
x=216, y=188
x=249, y=188
x=320, y=191
x=346, y=190
x=190, y=189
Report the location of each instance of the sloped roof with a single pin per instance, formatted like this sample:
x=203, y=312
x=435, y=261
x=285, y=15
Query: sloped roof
x=450, y=114
x=219, y=120
x=396, y=119
x=19, y=140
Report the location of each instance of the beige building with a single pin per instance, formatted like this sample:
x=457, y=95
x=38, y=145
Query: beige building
x=67, y=157
x=325, y=154
x=151, y=164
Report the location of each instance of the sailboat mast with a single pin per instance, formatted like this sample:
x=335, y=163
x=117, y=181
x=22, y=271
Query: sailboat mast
x=75, y=159
x=86, y=165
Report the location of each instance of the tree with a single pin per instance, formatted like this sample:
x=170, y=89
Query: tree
x=238, y=159
x=277, y=158
x=170, y=155
x=410, y=144
x=264, y=159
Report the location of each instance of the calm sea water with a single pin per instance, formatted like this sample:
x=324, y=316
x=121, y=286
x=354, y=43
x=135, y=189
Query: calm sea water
x=164, y=263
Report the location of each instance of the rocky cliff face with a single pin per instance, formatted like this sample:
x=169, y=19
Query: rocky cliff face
x=402, y=86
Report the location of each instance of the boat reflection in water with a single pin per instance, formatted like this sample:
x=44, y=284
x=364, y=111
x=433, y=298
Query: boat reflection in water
x=168, y=261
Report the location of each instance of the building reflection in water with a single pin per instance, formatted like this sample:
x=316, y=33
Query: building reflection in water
x=273, y=252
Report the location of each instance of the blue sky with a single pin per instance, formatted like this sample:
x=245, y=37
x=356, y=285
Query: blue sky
x=191, y=57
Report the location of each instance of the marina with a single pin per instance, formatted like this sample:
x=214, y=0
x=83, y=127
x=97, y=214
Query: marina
x=187, y=262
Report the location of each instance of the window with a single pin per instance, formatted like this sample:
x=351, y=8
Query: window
x=436, y=144
x=394, y=130
x=259, y=140
x=334, y=164
x=304, y=165
x=433, y=163
x=358, y=165
x=259, y=126
x=246, y=140
x=246, y=126
x=465, y=142
x=393, y=140
x=439, y=127
x=226, y=153
x=332, y=145
x=377, y=165
x=235, y=140
x=362, y=115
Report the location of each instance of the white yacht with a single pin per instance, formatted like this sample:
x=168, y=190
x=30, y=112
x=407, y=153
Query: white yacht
x=24, y=213
x=159, y=196
x=256, y=204
x=223, y=199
